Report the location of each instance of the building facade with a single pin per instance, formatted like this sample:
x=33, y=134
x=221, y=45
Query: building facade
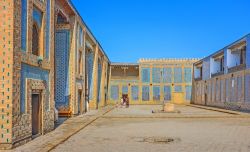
x=48, y=59
x=223, y=78
x=152, y=81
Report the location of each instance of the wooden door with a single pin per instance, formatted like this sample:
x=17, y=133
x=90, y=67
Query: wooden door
x=35, y=114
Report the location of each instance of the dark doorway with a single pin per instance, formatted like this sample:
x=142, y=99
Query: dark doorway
x=205, y=99
x=80, y=101
x=35, y=114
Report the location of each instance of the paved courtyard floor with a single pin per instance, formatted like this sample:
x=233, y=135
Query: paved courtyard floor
x=137, y=129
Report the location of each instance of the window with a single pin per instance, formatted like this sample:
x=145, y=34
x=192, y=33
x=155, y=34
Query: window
x=145, y=75
x=135, y=91
x=178, y=75
x=145, y=93
x=188, y=92
x=35, y=40
x=178, y=88
x=124, y=89
x=167, y=93
x=243, y=55
x=114, y=92
x=156, y=75
x=222, y=64
x=156, y=93
x=167, y=75
x=188, y=75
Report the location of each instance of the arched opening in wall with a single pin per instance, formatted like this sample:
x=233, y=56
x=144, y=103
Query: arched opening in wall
x=35, y=40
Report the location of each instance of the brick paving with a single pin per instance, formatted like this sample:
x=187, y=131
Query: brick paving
x=136, y=129
x=63, y=132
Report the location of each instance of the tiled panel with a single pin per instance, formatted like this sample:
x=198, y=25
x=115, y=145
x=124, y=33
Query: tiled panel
x=145, y=72
x=114, y=93
x=188, y=75
x=145, y=93
x=188, y=92
x=178, y=88
x=48, y=29
x=156, y=75
x=167, y=75
x=24, y=25
x=62, y=71
x=90, y=65
x=30, y=72
x=135, y=93
x=178, y=75
x=167, y=93
x=124, y=89
x=156, y=93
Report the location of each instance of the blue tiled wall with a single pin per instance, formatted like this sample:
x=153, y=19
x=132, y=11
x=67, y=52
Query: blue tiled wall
x=48, y=30
x=62, y=68
x=37, y=16
x=135, y=93
x=167, y=75
x=156, y=75
x=124, y=89
x=90, y=64
x=145, y=93
x=178, y=75
x=167, y=93
x=156, y=93
x=188, y=75
x=24, y=25
x=114, y=93
x=31, y=72
x=145, y=75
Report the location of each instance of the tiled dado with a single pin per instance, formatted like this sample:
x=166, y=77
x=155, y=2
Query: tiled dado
x=33, y=60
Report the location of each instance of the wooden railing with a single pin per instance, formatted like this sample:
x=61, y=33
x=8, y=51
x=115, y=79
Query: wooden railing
x=217, y=74
x=237, y=68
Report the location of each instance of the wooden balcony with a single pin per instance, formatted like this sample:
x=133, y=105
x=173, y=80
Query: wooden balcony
x=198, y=79
x=217, y=74
x=237, y=68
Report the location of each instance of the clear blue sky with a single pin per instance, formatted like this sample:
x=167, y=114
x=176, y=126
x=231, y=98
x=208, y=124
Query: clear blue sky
x=133, y=29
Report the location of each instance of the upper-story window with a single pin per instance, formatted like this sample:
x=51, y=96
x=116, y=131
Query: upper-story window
x=198, y=71
x=37, y=35
x=236, y=59
x=217, y=64
x=35, y=40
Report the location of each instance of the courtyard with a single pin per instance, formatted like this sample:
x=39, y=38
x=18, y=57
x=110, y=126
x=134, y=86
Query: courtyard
x=134, y=129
